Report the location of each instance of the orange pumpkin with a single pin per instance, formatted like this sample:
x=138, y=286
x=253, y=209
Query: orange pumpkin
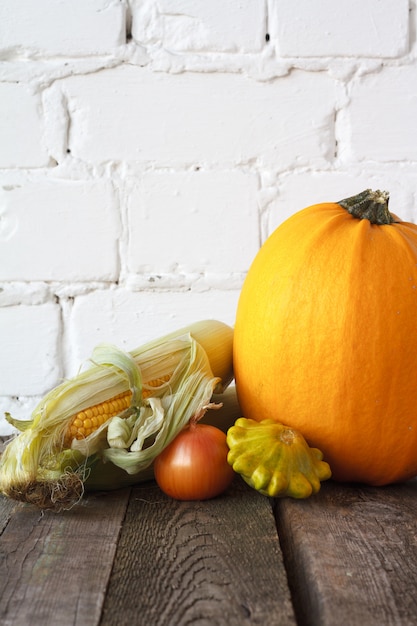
x=326, y=336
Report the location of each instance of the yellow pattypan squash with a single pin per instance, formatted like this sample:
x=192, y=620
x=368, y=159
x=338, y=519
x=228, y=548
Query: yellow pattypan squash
x=275, y=459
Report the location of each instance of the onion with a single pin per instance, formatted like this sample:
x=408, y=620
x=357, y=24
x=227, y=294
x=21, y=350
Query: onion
x=194, y=465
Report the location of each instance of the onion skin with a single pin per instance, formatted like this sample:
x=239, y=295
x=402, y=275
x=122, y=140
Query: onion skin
x=194, y=465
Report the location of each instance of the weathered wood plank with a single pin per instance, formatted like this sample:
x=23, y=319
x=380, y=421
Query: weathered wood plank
x=209, y=563
x=6, y=505
x=54, y=568
x=351, y=554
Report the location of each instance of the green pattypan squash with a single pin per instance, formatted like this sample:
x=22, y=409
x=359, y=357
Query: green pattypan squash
x=275, y=459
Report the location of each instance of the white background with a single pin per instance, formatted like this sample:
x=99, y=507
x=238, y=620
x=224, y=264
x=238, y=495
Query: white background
x=148, y=148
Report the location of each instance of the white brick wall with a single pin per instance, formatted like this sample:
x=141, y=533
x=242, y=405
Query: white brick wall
x=345, y=28
x=21, y=127
x=59, y=230
x=31, y=343
x=62, y=27
x=193, y=222
x=148, y=147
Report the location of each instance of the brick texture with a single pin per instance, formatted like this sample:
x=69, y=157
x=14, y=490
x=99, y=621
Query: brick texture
x=148, y=148
x=62, y=27
x=29, y=348
x=198, y=118
x=346, y=28
x=59, y=230
x=21, y=128
x=196, y=221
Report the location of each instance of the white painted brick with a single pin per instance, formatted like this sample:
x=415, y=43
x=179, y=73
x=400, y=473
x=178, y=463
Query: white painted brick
x=128, y=319
x=194, y=117
x=13, y=293
x=58, y=230
x=21, y=128
x=192, y=25
x=196, y=221
x=352, y=28
x=62, y=27
x=202, y=136
x=19, y=408
x=29, y=363
x=383, y=114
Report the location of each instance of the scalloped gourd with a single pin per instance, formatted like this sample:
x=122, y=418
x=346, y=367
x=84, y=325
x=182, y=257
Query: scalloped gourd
x=275, y=459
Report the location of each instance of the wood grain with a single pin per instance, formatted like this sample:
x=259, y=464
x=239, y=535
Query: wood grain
x=6, y=506
x=54, y=568
x=351, y=554
x=208, y=563
x=347, y=556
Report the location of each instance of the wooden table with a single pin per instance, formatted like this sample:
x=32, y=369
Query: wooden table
x=130, y=557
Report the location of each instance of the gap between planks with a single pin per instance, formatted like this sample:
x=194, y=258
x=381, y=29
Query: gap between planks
x=351, y=555
x=213, y=563
x=55, y=567
x=137, y=556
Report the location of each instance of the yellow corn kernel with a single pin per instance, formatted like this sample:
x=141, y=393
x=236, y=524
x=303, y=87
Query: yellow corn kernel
x=88, y=420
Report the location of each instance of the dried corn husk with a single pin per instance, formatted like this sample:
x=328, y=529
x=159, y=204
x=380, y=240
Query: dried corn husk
x=38, y=466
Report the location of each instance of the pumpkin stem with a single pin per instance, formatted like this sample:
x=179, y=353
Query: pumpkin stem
x=369, y=205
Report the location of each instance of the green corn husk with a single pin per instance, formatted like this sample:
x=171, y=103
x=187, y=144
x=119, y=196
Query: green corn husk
x=40, y=466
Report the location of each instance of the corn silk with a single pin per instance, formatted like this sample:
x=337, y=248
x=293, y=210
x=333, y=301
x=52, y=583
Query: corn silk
x=40, y=467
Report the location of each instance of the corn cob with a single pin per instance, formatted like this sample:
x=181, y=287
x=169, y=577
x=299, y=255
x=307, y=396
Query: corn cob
x=85, y=422
x=51, y=459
